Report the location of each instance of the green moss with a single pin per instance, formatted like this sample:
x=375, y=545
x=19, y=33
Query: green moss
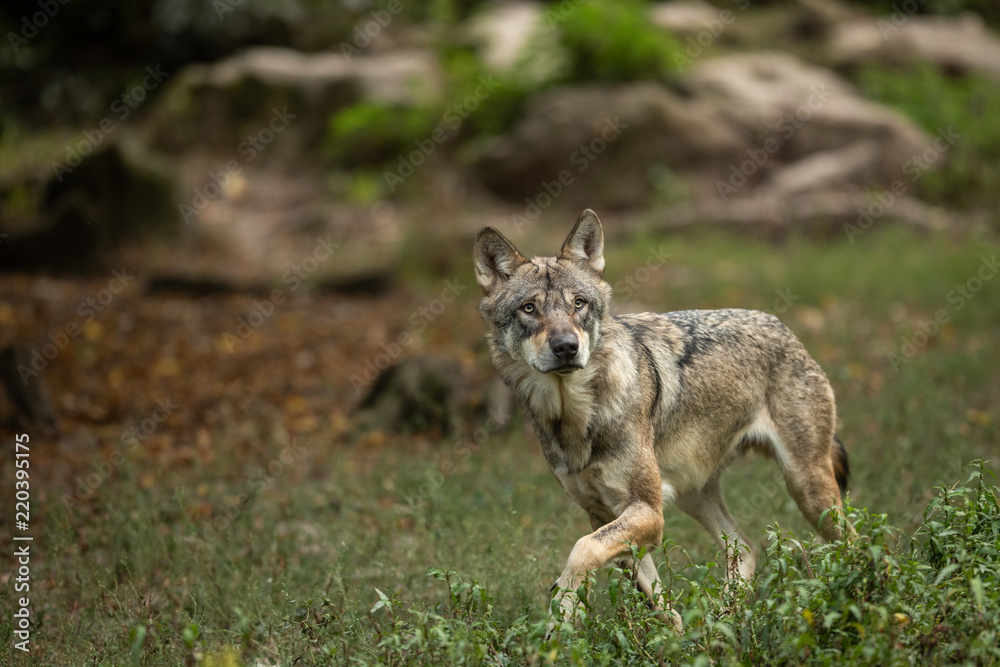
x=612, y=41
x=967, y=173
x=599, y=40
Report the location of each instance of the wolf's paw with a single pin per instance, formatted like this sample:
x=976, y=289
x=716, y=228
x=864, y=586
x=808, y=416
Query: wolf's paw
x=669, y=616
x=565, y=608
x=664, y=612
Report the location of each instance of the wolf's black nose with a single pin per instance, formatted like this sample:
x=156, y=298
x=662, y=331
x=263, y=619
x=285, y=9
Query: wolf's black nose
x=565, y=347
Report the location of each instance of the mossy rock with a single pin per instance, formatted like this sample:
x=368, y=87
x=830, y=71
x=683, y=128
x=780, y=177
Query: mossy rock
x=217, y=107
x=112, y=197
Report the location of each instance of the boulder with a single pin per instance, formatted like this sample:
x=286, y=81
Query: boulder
x=414, y=395
x=745, y=117
x=504, y=32
x=788, y=110
x=28, y=393
x=827, y=13
x=854, y=165
x=254, y=93
x=684, y=17
x=516, y=40
x=956, y=43
x=114, y=196
x=599, y=143
x=703, y=26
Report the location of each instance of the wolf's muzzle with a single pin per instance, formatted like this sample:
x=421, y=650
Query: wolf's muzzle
x=565, y=347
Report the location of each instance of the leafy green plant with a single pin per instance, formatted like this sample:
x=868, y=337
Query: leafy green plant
x=881, y=598
x=473, y=103
x=614, y=41
x=466, y=73
x=372, y=132
x=597, y=40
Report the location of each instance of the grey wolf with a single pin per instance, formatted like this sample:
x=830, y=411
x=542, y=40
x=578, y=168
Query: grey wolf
x=636, y=411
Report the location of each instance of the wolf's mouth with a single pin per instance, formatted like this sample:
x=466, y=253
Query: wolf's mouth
x=565, y=369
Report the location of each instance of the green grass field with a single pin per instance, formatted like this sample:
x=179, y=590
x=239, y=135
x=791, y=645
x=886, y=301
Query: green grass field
x=359, y=549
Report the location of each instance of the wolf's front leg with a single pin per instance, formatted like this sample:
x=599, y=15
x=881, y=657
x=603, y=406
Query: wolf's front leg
x=639, y=524
x=648, y=580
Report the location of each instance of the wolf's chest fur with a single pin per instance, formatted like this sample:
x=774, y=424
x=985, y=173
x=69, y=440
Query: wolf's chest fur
x=563, y=408
x=577, y=415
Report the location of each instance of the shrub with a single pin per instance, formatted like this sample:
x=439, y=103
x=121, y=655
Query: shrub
x=614, y=41
x=882, y=599
x=373, y=132
x=597, y=40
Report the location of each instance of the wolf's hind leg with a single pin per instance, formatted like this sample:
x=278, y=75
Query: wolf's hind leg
x=814, y=488
x=812, y=460
x=708, y=508
x=807, y=454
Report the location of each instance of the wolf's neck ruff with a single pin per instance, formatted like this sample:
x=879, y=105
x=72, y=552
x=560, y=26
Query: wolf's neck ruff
x=562, y=407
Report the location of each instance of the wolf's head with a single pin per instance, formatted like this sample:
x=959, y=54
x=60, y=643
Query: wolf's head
x=548, y=311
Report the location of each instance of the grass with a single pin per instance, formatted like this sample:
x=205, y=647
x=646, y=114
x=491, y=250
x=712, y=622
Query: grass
x=373, y=548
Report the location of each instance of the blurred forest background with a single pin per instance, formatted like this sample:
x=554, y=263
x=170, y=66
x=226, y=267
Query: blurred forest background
x=238, y=313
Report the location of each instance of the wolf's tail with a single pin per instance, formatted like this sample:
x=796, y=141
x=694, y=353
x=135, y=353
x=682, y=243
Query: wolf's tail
x=841, y=468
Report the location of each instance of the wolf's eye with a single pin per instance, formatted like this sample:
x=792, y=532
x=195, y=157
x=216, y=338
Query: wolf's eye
x=579, y=303
x=528, y=308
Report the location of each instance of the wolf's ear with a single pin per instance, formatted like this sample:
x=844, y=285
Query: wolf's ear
x=585, y=244
x=496, y=259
